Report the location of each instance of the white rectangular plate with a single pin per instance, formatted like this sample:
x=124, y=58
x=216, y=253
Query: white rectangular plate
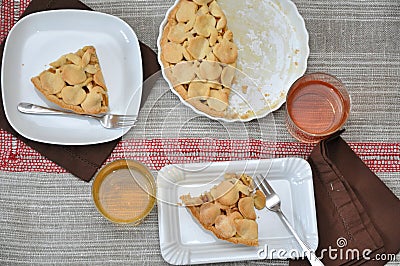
x=184, y=241
x=41, y=38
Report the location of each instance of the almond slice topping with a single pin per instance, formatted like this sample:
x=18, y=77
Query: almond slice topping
x=99, y=79
x=73, y=74
x=246, y=228
x=198, y=47
x=204, y=24
x=186, y=11
x=199, y=90
x=246, y=208
x=183, y=73
x=226, y=51
x=218, y=100
x=74, y=59
x=225, y=227
x=178, y=33
x=52, y=82
x=173, y=52
x=92, y=102
x=73, y=95
x=209, y=213
x=209, y=70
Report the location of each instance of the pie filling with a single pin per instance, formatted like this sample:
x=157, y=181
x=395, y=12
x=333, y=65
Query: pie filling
x=228, y=209
x=75, y=82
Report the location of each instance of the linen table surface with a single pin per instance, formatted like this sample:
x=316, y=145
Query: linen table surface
x=47, y=215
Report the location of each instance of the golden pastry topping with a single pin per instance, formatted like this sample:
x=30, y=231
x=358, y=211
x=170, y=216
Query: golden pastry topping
x=209, y=213
x=247, y=229
x=183, y=73
x=227, y=209
x=198, y=47
x=182, y=92
x=219, y=99
x=245, y=190
x=221, y=23
x=85, y=58
x=215, y=10
x=92, y=102
x=75, y=82
x=204, y=24
x=227, y=76
x=225, y=227
x=235, y=215
x=99, y=79
x=73, y=94
x=247, y=180
x=74, y=59
x=225, y=51
x=197, y=31
x=91, y=69
x=202, y=10
x=186, y=11
x=178, y=33
x=173, y=52
x=73, y=74
x=199, y=90
x=209, y=70
x=189, y=201
x=259, y=200
x=246, y=208
x=52, y=82
x=60, y=62
x=226, y=193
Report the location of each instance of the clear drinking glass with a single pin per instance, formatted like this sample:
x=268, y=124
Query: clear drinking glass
x=124, y=191
x=317, y=105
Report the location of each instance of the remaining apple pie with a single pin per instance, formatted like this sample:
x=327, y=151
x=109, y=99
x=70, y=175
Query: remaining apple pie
x=199, y=55
x=75, y=82
x=228, y=209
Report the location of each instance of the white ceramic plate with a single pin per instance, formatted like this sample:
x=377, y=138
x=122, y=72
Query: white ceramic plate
x=273, y=50
x=41, y=38
x=182, y=239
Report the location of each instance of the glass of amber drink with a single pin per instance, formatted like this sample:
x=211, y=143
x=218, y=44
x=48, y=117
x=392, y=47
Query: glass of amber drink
x=124, y=191
x=317, y=105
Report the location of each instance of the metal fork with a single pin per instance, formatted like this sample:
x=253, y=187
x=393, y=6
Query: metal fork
x=273, y=203
x=107, y=120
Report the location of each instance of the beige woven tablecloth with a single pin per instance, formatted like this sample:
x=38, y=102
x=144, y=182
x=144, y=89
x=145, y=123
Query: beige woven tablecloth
x=47, y=216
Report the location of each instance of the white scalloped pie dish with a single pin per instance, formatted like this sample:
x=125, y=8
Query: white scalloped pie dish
x=273, y=51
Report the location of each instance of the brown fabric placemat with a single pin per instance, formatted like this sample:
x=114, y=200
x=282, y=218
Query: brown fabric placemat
x=356, y=211
x=82, y=161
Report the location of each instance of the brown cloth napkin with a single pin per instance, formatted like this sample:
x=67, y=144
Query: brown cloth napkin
x=356, y=211
x=82, y=161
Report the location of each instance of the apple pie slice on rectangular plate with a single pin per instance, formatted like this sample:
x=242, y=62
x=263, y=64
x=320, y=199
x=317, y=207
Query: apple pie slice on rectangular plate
x=228, y=209
x=75, y=82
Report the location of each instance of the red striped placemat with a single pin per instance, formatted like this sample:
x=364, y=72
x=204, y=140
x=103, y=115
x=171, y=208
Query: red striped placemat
x=156, y=153
x=10, y=12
